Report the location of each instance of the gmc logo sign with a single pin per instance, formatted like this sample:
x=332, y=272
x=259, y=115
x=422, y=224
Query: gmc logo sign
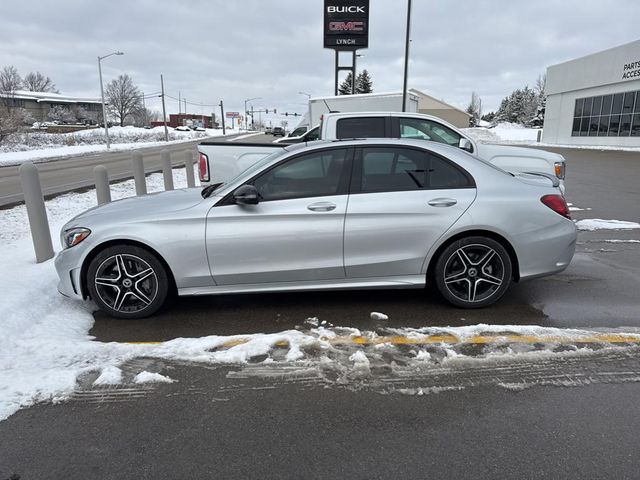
x=345, y=9
x=346, y=26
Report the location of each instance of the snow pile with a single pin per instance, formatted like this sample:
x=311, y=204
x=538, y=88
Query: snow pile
x=503, y=133
x=592, y=224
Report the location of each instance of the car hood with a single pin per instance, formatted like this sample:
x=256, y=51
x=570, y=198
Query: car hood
x=144, y=206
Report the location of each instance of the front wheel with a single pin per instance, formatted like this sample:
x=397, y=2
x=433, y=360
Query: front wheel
x=127, y=282
x=473, y=272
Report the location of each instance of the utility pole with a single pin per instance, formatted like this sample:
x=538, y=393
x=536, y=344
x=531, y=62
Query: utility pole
x=185, y=106
x=144, y=111
x=252, y=122
x=164, y=111
x=224, y=132
x=179, y=103
x=406, y=58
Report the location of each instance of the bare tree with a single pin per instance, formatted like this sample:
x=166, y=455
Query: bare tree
x=37, y=82
x=61, y=114
x=10, y=80
x=124, y=98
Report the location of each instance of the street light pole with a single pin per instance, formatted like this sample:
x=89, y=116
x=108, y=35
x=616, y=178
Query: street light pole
x=308, y=107
x=406, y=58
x=104, y=107
x=246, y=120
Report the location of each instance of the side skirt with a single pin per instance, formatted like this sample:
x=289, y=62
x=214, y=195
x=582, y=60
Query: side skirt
x=408, y=281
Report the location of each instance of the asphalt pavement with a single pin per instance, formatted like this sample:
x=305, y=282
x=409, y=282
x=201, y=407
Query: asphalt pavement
x=580, y=420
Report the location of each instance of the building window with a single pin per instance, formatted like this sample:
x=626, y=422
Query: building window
x=616, y=115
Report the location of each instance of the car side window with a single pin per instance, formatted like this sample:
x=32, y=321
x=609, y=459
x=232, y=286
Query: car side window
x=428, y=130
x=360, y=127
x=402, y=169
x=316, y=174
x=313, y=134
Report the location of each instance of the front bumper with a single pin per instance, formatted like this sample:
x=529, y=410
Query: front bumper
x=68, y=265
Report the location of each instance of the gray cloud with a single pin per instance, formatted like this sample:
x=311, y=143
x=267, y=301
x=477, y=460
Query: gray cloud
x=234, y=49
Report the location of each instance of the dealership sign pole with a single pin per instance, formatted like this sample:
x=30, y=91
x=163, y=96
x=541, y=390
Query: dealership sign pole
x=346, y=29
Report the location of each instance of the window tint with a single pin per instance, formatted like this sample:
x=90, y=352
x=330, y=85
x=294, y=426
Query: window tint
x=402, y=169
x=298, y=131
x=428, y=130
x=314, y=175
x=360, y=127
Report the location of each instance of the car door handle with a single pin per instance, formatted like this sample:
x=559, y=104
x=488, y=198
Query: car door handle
x=322, y=207
x=443, y=202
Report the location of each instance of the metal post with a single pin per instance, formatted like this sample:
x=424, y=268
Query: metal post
x=539, y=136
x=188, y=164
x=138, y=174
x=335, y=92
x=252, y=123
x=164, y=111
x=103, y=192
x=33, y=199
x=179, y=102
x=104, y=107
x=406, y=58
x=167, y=173
x=353, y=73
x=224, y=131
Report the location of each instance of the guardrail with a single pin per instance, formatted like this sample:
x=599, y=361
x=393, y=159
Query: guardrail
x=34, y=198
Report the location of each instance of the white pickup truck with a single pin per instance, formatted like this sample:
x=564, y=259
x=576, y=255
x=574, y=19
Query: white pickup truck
x=222, y=161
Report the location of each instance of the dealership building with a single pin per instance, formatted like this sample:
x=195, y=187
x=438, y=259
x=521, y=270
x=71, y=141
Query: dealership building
x=595, y=100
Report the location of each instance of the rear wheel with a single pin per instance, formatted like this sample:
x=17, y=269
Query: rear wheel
x=473, y=272
x=127, y=282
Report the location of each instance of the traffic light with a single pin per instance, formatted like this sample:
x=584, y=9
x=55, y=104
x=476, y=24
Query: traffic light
x=274, y=111
x=286, y=114
x=266, y=110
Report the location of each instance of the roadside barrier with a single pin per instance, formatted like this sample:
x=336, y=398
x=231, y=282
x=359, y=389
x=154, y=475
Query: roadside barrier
x=103, y=192
x=38, y=221
x=188, y=164
x=167, y=172
x=138, y=174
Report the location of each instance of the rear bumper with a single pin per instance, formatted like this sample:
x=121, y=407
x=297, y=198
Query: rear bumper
x=551, y=252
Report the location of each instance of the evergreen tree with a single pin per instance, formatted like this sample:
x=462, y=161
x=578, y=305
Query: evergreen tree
x=345, y=86
x=364, y=83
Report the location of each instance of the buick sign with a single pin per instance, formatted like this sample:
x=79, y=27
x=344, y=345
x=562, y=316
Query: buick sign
x=346, y=24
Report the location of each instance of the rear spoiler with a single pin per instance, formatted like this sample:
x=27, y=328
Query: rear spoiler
x=553, y=178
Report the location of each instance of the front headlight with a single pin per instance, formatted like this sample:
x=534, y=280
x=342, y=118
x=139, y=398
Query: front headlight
x=73, y=236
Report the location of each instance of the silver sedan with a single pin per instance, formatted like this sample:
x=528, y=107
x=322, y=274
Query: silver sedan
x=328, y=215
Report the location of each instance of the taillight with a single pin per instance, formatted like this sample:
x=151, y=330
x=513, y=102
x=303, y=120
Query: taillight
x=204, y=168
x=557, y=204
x=560, y=168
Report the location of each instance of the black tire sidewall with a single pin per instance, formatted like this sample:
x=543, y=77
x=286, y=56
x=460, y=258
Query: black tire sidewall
x=150, y=258
x=447, y=252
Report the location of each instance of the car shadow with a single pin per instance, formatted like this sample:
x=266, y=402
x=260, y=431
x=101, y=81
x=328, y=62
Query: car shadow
x=275, y=312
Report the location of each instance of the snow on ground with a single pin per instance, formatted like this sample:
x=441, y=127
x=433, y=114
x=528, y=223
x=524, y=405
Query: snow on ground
x=47, y=347
x=42, y=146
x=592, y=224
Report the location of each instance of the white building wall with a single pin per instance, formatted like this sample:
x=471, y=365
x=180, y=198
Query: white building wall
x=608, y=72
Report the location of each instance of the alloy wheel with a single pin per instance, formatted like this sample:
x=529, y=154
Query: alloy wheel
x=473, y=273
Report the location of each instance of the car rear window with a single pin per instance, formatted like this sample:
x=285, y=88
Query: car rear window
x=360, y=127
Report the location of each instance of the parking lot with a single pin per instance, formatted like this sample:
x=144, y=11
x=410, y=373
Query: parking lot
x=577, y=421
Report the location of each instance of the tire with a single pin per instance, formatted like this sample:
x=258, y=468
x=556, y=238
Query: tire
x=473, y=272
x=127, y=282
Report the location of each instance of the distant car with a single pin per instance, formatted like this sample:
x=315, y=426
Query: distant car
x=200, y=129
x=278, y=131
x=348, y=214
x=183, y=128
x=268, y=130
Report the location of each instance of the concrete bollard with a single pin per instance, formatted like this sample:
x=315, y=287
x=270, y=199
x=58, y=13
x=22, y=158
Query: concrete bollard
x=138, y=174
x=188, y=164
x=33, y=199
x=166, y=170
x=539, y=135
x=103, y=192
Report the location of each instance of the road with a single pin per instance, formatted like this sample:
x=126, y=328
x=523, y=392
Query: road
x=76, y=172
x=580, y=420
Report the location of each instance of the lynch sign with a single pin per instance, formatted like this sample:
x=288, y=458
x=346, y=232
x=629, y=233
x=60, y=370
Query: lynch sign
x=346, y=24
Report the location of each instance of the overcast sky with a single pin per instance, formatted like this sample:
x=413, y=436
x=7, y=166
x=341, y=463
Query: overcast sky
x=235, y=49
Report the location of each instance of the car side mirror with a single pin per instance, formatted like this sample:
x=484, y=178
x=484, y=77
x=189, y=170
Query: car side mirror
x=246, y=195
x=465, y=144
